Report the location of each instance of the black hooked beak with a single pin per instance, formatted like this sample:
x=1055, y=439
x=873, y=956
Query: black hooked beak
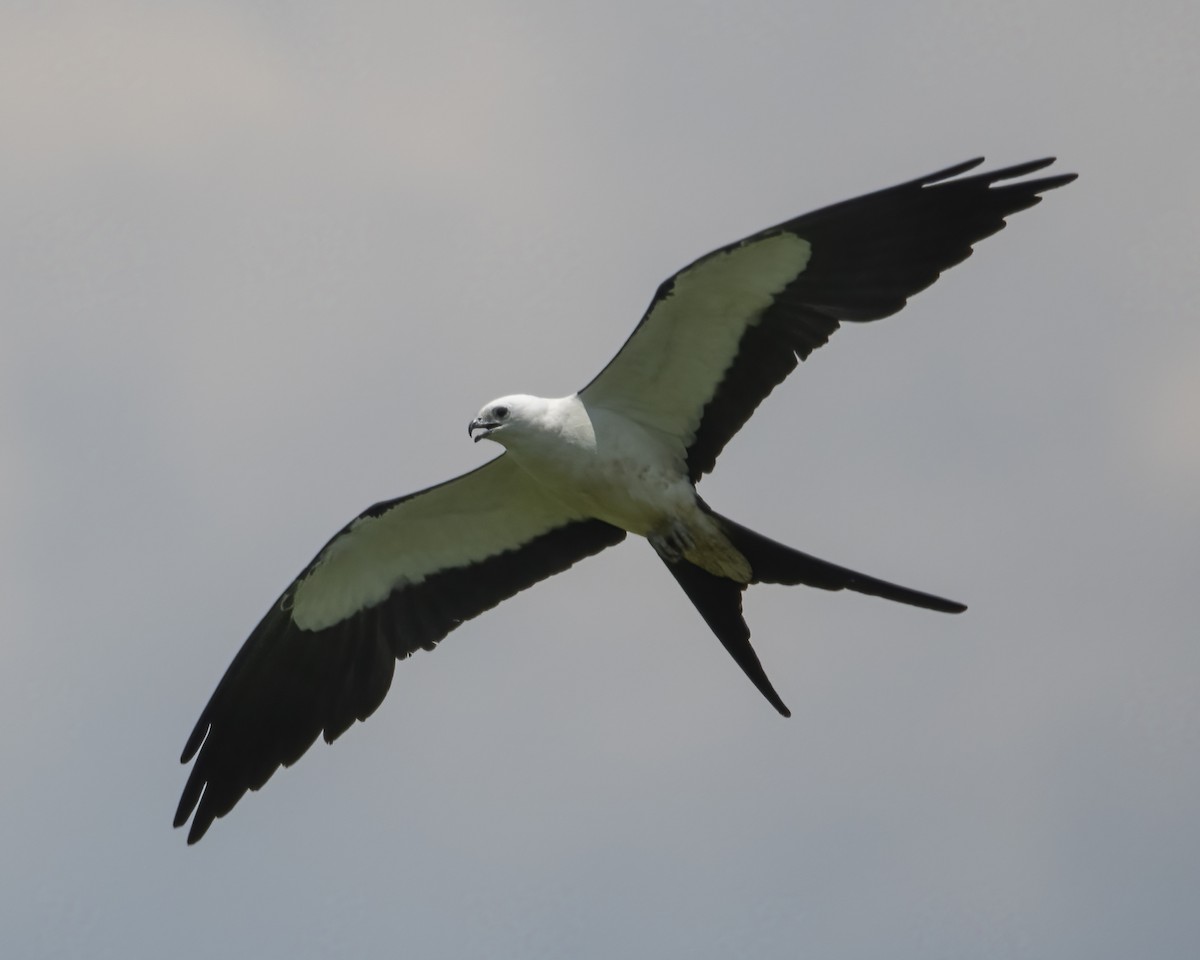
x=487, y=426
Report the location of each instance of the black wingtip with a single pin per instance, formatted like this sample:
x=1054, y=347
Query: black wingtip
x=1019, y=169
x=761, y=683
x=949, y=172
x=196, y=833
x=998, y=178
x=194, y=741
x=200, y=822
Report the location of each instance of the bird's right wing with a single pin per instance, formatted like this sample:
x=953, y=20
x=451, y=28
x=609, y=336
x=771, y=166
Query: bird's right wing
x=395, y=580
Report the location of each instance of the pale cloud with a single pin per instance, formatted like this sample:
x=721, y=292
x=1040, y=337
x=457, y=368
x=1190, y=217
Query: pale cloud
x=125, y=84
x=153, y=86
x=1162, y=429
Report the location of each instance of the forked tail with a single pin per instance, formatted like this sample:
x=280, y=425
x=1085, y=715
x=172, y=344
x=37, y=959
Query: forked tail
x=719, y=600
x=774, y=563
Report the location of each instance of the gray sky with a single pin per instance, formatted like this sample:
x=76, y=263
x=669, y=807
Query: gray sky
x=262, y=262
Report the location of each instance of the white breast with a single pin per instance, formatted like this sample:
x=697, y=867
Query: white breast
x=605, y=465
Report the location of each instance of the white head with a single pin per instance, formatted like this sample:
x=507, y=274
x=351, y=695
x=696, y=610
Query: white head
x=507, y=419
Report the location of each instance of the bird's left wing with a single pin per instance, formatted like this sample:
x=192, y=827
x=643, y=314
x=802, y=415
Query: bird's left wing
x=397, y=579
x=724, y=331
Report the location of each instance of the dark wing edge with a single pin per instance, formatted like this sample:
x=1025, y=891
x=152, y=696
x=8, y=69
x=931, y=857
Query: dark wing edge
x=869, y=255
x=287, y=685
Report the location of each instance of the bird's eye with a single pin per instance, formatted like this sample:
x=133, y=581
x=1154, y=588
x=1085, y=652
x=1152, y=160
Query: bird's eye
x=499, y=412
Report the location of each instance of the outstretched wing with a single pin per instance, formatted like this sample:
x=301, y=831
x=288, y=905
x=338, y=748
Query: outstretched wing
x=720, y=334
x=395, y=580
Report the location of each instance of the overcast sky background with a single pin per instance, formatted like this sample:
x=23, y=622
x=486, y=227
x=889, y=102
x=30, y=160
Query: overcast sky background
x=261, y=263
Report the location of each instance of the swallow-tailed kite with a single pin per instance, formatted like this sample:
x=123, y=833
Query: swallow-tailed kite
x=622, y=455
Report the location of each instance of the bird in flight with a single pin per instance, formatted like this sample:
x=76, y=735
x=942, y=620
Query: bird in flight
x=577, y=473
